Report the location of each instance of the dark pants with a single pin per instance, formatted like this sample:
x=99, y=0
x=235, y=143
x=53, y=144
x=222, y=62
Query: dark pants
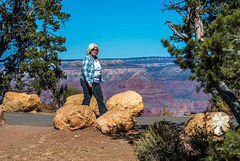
x=97, y=92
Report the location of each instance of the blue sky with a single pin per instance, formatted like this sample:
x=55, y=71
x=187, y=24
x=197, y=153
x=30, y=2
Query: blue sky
x=120, y=28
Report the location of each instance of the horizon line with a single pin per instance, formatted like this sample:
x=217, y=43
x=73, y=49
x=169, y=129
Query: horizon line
x=123, y=58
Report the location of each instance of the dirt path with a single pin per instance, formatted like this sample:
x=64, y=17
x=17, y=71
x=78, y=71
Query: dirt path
x=32, y=137
x=20, y=142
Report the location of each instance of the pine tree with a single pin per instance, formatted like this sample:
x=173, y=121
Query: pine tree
x=210, y=33
x=28, y=38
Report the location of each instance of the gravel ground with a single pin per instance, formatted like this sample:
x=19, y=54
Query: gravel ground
x=29, y=136
x=23, y=142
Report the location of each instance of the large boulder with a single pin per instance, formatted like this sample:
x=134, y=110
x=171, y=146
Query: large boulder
x=77, y=99
x=70, y=117
x=216, y=123
x=113, y=122
x=2, y=118
x=129, y=101
x=21, y=102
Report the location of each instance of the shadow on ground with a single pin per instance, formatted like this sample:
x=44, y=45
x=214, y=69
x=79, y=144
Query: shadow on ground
x=134, y=134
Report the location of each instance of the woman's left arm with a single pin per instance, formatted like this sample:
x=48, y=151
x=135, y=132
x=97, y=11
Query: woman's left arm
x=88, y=70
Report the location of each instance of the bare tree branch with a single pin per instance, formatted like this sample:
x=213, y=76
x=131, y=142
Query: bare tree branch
x=174, y=6
x=32, y=10
x=24, y=5
x=236, y=81
x=204, y=4
x=174, y=36
x=3, y=2
x=171, y=26
x=7, y=58
x=237, y=37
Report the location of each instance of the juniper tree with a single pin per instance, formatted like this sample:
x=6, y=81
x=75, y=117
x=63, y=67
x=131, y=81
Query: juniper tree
x=210, y=33
x=28, y=38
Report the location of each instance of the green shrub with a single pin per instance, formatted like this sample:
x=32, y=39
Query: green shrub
x=199, y=142
x=63, y=92
x=225, y=150
x=231, y=145
x=161, y=141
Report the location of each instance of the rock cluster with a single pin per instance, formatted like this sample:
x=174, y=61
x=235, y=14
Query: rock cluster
x=120, y=115
x=21, y=102
x=216, y=123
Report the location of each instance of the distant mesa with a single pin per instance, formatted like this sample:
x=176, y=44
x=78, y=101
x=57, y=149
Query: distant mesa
x=157, y=79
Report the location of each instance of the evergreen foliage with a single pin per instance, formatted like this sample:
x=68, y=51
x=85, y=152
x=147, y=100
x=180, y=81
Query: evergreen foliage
x=210, y=33
x=226, y=150
x=28, y=38
x=231, y=145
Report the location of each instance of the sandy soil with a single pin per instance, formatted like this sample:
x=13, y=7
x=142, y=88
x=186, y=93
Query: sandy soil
x=46, y=143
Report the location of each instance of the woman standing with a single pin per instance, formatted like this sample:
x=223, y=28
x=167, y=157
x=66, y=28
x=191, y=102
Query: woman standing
x=90, y=78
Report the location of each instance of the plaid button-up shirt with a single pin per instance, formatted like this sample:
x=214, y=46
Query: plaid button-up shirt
x=87, y=71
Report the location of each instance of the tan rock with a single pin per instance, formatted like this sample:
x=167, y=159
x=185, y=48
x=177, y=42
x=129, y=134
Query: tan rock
x=113, y=122
x=216, y=123
x=77, y=99
x=187, y=114
x=129, y=101
x=34, y=112
x=2, y=118
x=73, y=117
x=16, y=102
x=74, y=100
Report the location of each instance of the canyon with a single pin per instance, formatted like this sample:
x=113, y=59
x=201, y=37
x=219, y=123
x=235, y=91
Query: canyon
x=159, y=81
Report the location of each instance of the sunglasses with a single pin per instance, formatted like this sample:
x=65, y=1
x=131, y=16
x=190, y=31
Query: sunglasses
x=94, y=50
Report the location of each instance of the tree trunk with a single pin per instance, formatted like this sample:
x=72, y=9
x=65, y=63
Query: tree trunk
x=231, y=100
x=199, y=30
